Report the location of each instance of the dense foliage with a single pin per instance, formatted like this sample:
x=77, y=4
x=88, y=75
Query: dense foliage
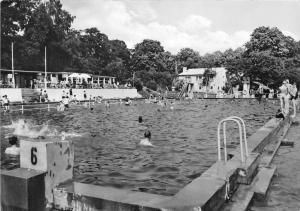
x=268, y=57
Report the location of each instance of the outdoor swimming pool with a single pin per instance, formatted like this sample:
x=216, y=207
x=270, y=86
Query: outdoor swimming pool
x=107, y=150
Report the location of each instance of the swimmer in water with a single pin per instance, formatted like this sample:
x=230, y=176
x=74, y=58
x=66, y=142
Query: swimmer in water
x=66, y=101
x=146, y=140
x=13, y=150
x=172, y=105
x=140, y=119
x=60, y=106
x=107, y=105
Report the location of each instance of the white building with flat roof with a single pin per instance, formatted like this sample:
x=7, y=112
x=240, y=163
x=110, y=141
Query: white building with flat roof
x=194, y=78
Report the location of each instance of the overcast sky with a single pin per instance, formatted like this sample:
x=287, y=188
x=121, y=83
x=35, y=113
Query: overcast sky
x=203, y=25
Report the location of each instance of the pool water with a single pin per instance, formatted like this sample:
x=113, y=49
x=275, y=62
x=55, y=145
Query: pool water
x=107, y=149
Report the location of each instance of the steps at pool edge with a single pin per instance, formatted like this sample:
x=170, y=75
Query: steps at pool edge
x=244, y=196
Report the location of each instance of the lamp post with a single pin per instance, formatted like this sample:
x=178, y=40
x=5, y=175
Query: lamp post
x=12, y=65
x=45, y=67
x=133, y=79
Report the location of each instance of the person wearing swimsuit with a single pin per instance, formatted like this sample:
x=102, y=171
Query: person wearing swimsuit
x=294, y=97
x=284, y=97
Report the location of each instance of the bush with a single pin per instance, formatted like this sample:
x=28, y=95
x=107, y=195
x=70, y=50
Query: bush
x=152, y=85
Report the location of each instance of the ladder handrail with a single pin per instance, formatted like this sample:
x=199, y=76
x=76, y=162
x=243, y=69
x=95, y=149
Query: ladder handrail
x=245, y=134
x=237, y=120
x=219, y=139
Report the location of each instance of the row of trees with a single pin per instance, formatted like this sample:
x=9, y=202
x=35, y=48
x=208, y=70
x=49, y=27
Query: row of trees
x=267, y=57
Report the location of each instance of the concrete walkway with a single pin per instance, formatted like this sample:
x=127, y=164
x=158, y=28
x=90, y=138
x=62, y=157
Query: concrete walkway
x=284, y=193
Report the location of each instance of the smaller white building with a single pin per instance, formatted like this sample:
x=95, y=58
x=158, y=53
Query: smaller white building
x=194, y=78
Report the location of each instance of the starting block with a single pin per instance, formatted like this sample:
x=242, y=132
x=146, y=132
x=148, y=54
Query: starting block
x=55, y=158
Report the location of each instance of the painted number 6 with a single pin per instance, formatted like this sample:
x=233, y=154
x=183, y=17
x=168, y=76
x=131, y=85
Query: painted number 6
x=33, y=156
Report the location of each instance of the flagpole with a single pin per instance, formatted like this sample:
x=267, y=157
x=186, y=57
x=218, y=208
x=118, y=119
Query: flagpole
x=12, y=65
x=45, y=67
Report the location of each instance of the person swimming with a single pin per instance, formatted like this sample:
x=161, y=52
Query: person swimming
x=128, y=102
x=146, y=140
x=140, y=119
x=66, y=101
x=61, y=106
x=106, y=103
x=13, y=150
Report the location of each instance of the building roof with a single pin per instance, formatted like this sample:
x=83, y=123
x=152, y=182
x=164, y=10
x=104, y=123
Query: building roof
x=43, y=72
x=194, y=71
x=199, y=71
x=34, y=71
x=102, y=76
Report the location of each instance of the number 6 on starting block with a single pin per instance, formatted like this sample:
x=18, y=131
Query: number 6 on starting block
x=33, y=155
x=56, y=158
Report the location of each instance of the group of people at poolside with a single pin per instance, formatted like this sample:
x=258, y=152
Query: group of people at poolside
x=288, y=92
x=68, y=97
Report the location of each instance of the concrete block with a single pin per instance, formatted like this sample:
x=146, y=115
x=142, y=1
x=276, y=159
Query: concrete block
x=207, y=192
x=248, y=170
x=22, y=190
x=54, y=157
x=241, y=199
x=261, y=185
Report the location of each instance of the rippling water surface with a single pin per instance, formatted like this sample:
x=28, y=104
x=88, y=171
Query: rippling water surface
x=107, y=150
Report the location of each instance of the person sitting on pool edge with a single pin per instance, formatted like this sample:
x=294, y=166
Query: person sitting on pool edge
x=13, y=150
x=146, y=140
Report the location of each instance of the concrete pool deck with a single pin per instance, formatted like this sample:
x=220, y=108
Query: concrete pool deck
x=207, y=192
x=284, y=191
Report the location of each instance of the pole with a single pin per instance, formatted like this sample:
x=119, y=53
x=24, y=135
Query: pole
x=45, y=67
x=133, y=79
x=12, y=65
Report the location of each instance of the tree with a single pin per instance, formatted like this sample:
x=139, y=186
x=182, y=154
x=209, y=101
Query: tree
x=235, y=65
x=207, y=75
x=149, y=47
x=215, y=59
x=189, y=58
x=118, y=69
x=271, y=40
x=152, y=64
x=14, y=17
x=48, y=25
x=267, y=54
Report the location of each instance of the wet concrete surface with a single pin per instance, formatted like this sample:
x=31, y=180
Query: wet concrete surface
x=284, y=193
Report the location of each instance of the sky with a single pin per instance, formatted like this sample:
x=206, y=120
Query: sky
x=203, y=25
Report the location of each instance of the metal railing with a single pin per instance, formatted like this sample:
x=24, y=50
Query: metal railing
x=242, y=134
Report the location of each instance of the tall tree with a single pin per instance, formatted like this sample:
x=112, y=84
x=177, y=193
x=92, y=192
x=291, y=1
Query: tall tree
x=151, y=62
x=15, y=15
x=189, y=58
x=48, y=26
x=268, y=50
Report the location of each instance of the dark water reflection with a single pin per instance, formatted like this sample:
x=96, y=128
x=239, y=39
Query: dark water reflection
x=108, y=151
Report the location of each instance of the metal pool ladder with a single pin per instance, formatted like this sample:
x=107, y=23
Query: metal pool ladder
x=243, y=146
